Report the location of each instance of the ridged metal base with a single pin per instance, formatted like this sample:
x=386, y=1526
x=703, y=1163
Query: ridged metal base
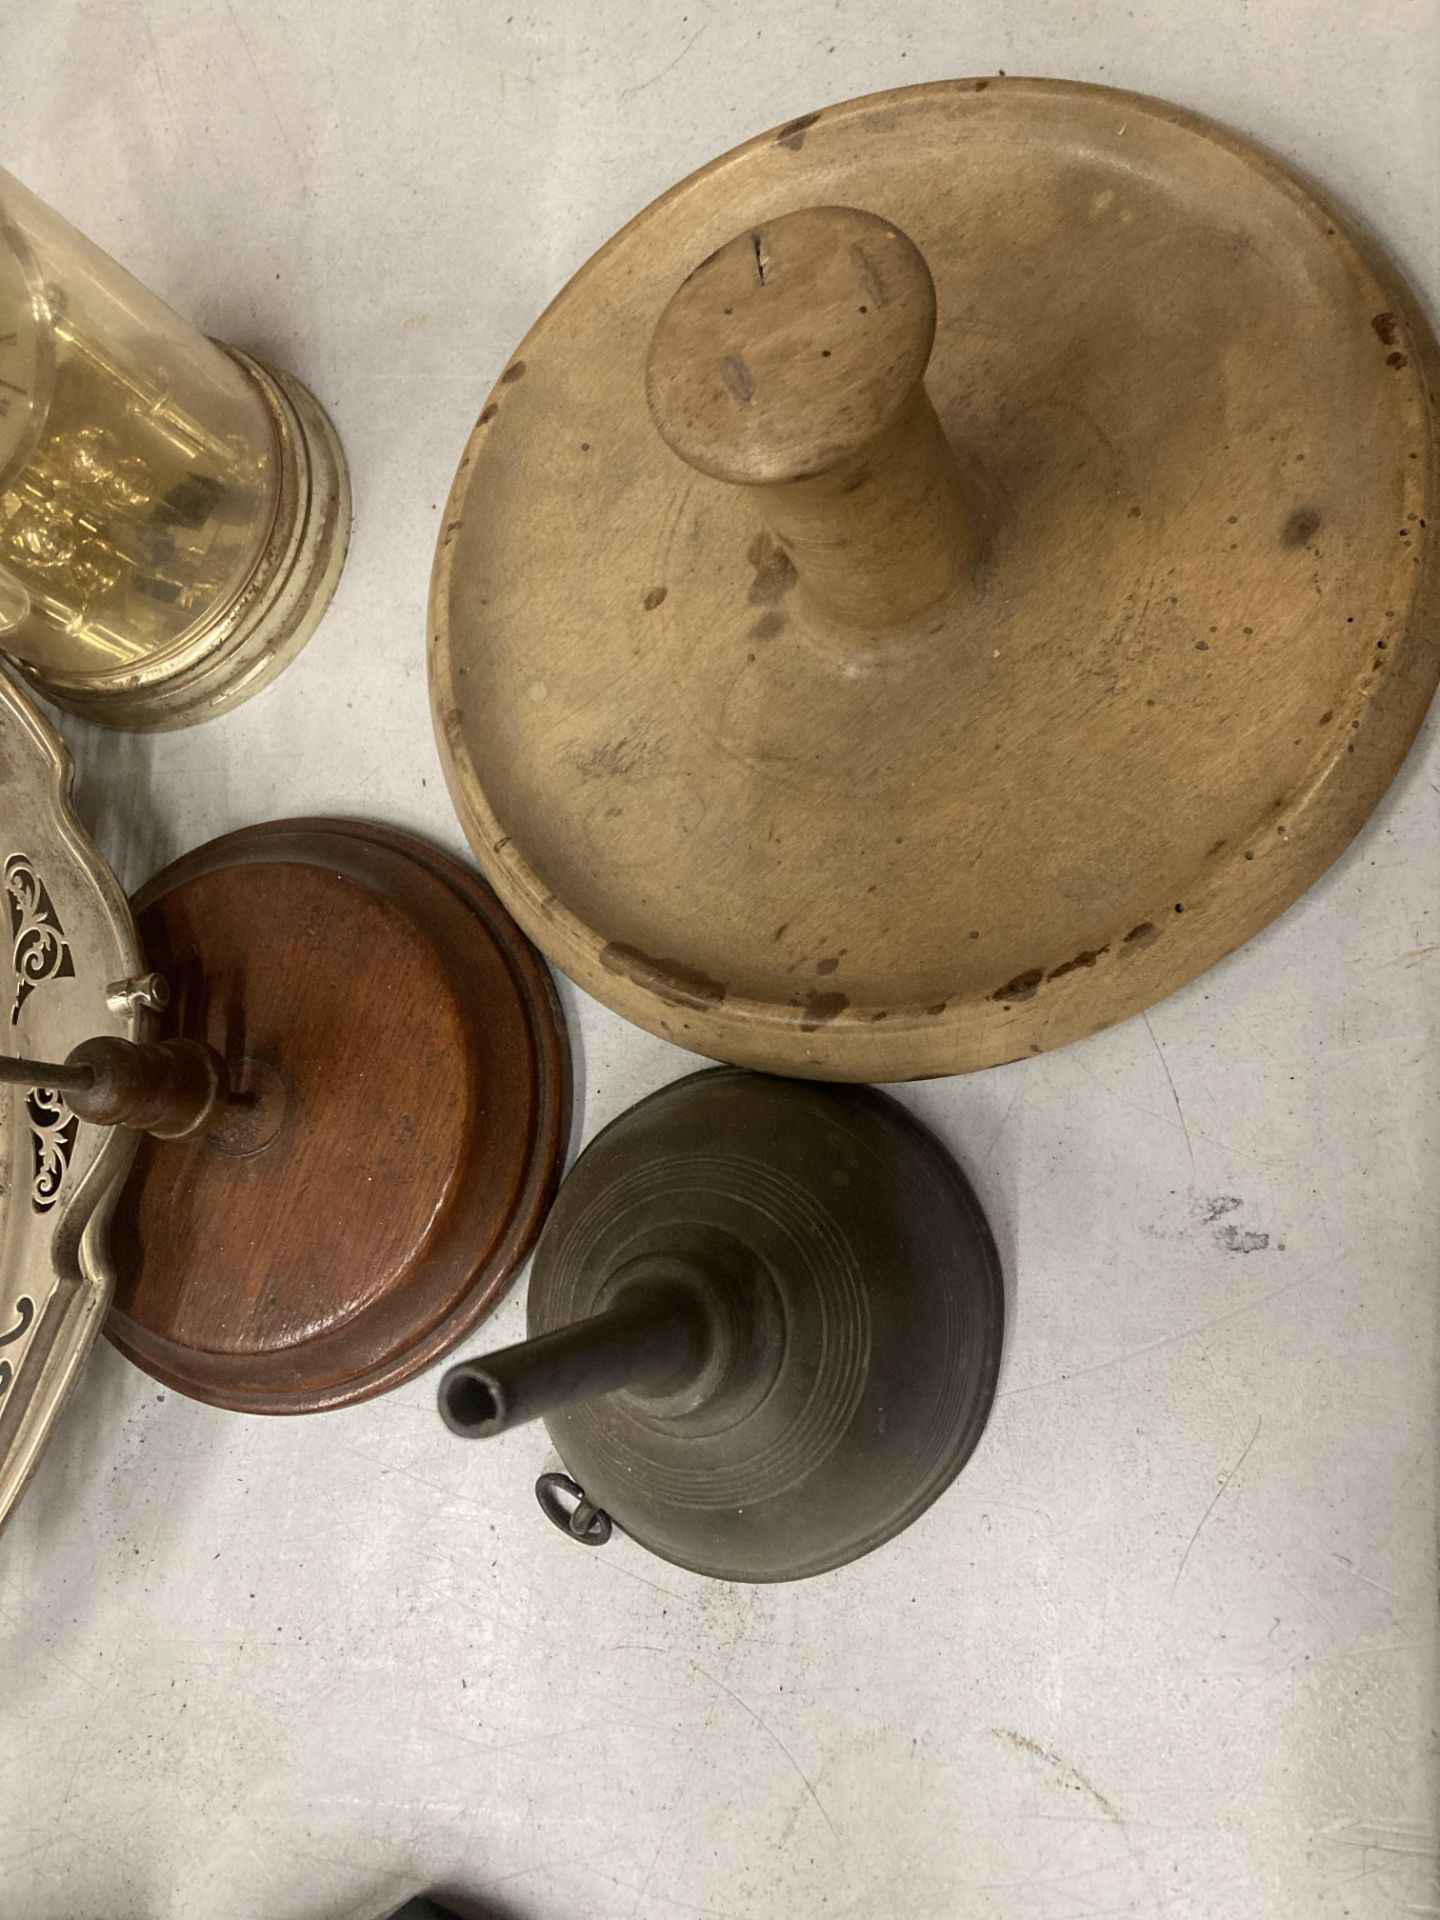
x=856, y=1312
x=267, y=624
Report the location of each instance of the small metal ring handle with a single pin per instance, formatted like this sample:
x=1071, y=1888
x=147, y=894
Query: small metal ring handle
x=563, y=1502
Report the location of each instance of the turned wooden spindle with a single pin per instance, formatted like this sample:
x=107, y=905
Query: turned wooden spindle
x=792, y=361
x=170, y=1088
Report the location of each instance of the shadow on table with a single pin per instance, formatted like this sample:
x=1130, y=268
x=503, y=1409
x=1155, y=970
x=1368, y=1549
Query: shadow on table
x=450, y=1905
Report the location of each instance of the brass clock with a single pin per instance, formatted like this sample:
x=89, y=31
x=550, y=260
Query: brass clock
x=173, y=516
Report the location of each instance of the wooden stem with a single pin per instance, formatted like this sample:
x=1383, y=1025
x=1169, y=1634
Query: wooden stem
x=171, y=1088
x=792, y=362
x=884, y=535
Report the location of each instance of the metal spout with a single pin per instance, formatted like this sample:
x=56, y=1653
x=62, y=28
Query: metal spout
x=657, y=1335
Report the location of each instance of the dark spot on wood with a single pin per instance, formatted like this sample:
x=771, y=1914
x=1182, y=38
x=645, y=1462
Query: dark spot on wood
x=792, y=135
x=768, y=625
x=856, y=481
x=614, y=761
x=827, y=966
x=1134, y=513
x=514, y=371
x=1248, y=854
x=1326, y=717
x=820, y=1007
x=682, y=985
x=1384, y=325
x=980, y=85
x=774, y=571
x=1397, y=360
x=1216, y=846
x=1301, y=527
x=1202, y=646
x=737, y=377
x=1022, y=987
x=939, y=1007
x=584, y=446
x=654, y=597
x=1085, y=959
x=1142, y=935
x=779, y=931
x=875, y=1018
x=488, y=413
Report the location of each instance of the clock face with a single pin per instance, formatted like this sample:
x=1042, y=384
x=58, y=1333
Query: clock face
x=26, y=358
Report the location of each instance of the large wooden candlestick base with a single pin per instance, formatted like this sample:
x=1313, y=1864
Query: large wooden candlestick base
x=940, y=578
x=395, y=1107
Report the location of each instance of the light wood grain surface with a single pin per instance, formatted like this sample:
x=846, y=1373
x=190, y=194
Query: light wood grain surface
x=1141, y=690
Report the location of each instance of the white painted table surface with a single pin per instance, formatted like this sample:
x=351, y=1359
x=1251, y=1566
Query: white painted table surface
x=1168, y=1648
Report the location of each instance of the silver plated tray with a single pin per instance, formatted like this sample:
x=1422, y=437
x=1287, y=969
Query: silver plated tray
x=70, y=967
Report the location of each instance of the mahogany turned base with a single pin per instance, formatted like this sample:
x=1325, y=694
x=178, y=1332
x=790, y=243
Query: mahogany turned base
x=403, y=1084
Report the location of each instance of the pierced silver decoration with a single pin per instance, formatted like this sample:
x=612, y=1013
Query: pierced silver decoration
x=40, y=949
x=55, y=1174
x=52, y=1138
x=24, y=1314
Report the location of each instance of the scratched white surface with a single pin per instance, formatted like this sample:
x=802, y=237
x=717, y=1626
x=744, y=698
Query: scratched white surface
x=1169, y=1646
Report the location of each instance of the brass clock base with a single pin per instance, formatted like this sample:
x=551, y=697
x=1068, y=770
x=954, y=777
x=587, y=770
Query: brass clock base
x=262, y=629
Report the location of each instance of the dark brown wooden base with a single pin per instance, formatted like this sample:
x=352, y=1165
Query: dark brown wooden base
x=403, y=1076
